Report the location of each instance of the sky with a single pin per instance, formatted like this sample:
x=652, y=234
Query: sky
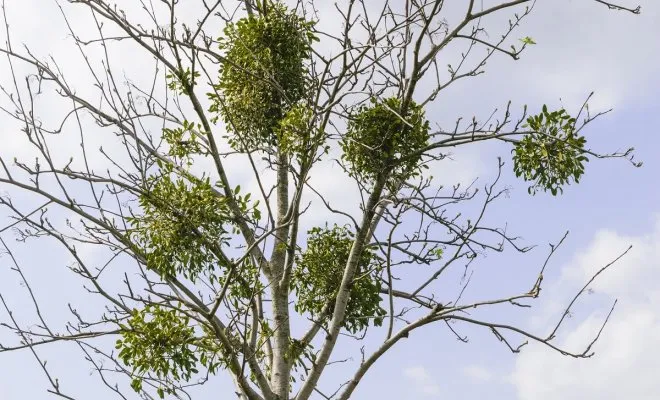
x=581, y=47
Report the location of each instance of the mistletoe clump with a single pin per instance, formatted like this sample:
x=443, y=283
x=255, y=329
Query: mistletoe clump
x=263, y=76
x=318, y=275
x=161, y=342
x=180, y=225
x=380, y=141
x=158, y=341
x=553, y=154
x=296, y=133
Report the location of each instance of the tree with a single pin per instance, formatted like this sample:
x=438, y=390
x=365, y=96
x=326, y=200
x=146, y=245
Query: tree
x=203, y=278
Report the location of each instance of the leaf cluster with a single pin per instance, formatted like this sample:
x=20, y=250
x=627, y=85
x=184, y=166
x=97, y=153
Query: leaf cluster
x=182, y=81
x=263, y=75
x=319, y=272
x=183, y=140
x=180, y=225
x=552, y=155
x=159, y=341
x=297, y=134
x=380, y=140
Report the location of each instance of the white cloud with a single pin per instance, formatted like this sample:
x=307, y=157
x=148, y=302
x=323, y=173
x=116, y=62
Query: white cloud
x=477, y=374
x=628, y=354
x=424, y=382
x=568, y=63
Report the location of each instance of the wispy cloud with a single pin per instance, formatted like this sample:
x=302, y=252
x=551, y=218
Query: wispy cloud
x=628, y=353
x=477, y=374
x=424, y=383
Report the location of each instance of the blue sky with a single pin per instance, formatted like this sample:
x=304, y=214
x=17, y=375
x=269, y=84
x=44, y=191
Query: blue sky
x=582, y=47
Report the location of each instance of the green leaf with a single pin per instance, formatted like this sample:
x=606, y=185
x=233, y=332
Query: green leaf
x=528, y=40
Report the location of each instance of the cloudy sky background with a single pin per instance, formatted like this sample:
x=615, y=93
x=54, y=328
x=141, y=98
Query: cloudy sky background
x=582, y=47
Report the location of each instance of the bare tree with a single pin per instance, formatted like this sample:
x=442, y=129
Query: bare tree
x=203, y=278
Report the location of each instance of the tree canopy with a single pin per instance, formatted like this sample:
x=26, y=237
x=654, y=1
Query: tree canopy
x=201, y=198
